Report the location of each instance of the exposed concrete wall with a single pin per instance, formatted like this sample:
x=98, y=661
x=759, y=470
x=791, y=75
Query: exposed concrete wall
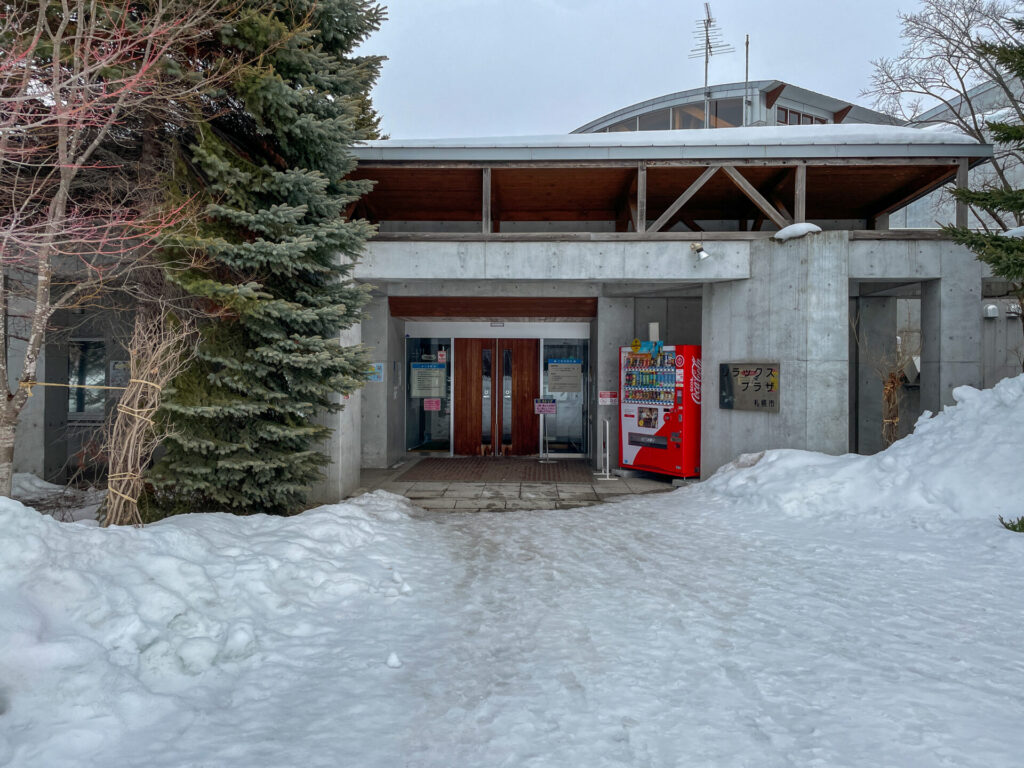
x=29, y=450
x=344, y=445
x=647, y=311
x=607, y=260
x=375, y=394
x=613, y=329
x=683, y=322
x=383, y=420
x=793, y=310
x=395, y=379
x=1002, y=341
x=950, y=327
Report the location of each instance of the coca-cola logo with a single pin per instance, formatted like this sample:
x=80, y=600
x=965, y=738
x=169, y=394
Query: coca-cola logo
x=695, y=381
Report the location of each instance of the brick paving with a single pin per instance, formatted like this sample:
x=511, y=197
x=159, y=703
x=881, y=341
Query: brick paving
x=498, y=470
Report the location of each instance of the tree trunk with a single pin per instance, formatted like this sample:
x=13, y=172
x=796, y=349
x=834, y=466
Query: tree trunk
x=6, y=458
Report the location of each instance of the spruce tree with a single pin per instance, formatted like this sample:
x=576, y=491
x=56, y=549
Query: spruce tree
x=1005, y=255
x=270, y=155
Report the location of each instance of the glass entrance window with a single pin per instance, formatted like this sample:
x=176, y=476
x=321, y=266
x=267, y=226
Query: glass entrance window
x=428, y=412
x=566, y=378
x=487, y=403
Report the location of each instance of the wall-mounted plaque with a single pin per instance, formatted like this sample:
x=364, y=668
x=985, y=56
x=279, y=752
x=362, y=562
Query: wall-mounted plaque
x=749, y=386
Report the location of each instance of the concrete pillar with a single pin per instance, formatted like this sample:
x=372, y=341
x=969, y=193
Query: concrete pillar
x=341, y=475
x=375, y=394
x=792, y=310
x=876, y=328
x=612, y=329
x=950, y=328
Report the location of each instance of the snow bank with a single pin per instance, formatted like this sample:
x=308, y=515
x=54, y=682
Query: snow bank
x=964, y=462
x=25, y=484
x=796, y=230
x=108, y=627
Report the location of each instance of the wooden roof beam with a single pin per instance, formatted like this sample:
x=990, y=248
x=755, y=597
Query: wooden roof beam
x=756, y=197
x=683, y=198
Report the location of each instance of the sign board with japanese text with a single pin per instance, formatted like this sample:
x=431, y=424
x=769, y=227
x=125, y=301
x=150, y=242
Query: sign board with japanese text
x=427, y=380
x=565, y=375
x=749, y=386
x=546, y=405
x=376, y=372
x=610, y=397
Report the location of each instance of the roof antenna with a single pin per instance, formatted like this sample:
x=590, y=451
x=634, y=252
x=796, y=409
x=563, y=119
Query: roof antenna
x=709, y=41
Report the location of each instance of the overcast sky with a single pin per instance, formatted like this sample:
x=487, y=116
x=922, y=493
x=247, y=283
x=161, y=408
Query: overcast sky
x=522, y=67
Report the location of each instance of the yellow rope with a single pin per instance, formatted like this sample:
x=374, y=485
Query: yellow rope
x=136, y=412
x=29, y=384
x=122, y=495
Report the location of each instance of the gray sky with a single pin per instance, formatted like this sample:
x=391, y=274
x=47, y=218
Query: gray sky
x=520, y=67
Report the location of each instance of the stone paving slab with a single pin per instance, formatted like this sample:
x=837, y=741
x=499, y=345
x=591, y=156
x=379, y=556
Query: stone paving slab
x=435, y=503
x=479, y=504
x=426, y=493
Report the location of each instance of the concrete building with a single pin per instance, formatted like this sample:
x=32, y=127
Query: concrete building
x=498, y=256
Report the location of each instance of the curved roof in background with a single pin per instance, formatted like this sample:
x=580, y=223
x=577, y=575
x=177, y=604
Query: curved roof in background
x=773, y=90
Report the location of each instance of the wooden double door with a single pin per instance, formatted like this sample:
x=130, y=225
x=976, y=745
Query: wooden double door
x=496, y=381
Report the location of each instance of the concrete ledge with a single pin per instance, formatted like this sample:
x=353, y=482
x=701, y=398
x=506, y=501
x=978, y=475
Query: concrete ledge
x=599, y=260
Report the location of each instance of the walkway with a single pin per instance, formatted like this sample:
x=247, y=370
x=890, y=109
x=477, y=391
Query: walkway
x=476, y=485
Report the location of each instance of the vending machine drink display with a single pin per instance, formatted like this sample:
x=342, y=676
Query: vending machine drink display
x=659, y=408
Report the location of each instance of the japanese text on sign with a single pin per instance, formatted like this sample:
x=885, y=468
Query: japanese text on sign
x=547, y=405
x=565, y=375
x=427, y=380
x=749, y=387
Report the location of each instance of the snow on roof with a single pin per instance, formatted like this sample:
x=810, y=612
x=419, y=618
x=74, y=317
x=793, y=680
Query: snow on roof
x=860, y=140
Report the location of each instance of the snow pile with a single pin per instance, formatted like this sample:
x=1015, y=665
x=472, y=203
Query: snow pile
x=764, y=618
x=108, y=628
x=964, y=462
x=796, y=230
x=1015, y=232
x=27, y=485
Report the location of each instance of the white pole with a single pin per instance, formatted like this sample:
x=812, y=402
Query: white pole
x=606, y=474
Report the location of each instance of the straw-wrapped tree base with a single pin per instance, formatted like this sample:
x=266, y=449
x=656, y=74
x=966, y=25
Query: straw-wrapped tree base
x=160, y=347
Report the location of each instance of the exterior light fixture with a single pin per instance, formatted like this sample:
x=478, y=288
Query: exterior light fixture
x=698, y=248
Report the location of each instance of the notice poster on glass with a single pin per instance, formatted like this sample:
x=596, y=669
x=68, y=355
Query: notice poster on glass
x=565, y=375
x=427, y=380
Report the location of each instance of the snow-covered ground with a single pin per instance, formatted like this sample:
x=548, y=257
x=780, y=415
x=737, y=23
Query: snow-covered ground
x=803, y=611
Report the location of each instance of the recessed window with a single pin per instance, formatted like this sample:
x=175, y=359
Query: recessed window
x=726, y=113
x=87, y=367
x=654, y=121
x=688, y=116
x=625, y=125
x=785, y=116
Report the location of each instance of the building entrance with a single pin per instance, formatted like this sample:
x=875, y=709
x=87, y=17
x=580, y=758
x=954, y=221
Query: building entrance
x=496, y=381
x=471, y=385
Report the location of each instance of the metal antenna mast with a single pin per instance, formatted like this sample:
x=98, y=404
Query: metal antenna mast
x=709, y=42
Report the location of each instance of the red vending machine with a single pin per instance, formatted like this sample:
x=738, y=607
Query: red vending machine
x=659, y=408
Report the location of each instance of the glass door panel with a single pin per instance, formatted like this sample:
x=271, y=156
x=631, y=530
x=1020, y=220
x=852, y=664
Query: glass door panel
x=428, y=401
x=566, y=378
